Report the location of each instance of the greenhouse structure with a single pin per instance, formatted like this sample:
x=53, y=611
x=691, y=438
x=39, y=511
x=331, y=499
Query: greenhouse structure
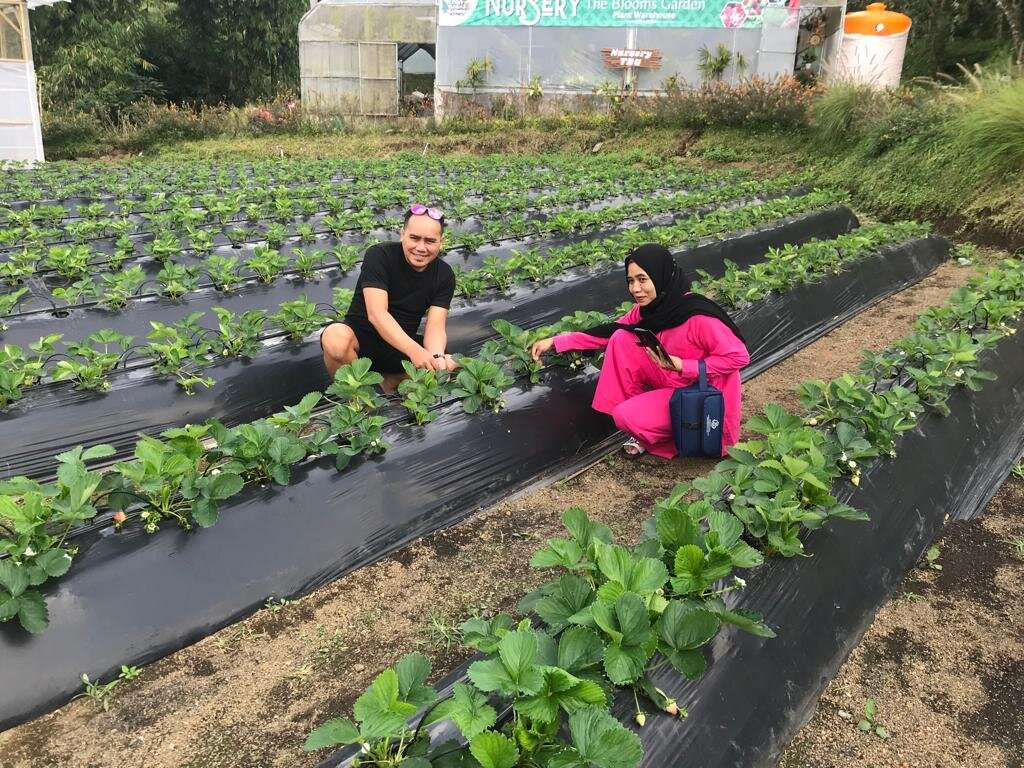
x=550, y=54
x=20, y=136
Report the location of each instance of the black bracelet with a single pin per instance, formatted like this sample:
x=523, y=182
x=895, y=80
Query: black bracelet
x=436, y=356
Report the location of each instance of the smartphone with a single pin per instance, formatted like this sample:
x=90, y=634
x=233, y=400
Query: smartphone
x=648, y=339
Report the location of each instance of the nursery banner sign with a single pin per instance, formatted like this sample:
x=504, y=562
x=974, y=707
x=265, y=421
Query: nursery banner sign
x=705, y=14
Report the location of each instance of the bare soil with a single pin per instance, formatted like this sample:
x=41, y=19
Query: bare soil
x=943, y=661
x=249, y=695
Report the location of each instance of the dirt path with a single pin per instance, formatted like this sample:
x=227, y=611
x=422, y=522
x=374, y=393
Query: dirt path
x=943, y=660
x=250, y=694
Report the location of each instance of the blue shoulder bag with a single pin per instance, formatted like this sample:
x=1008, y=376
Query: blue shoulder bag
x=697, y=413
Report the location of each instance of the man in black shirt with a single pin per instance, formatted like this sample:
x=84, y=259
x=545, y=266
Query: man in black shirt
x=398, y=284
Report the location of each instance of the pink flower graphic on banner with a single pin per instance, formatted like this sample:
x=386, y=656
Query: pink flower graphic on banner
x=752, y=7
x=733, y=15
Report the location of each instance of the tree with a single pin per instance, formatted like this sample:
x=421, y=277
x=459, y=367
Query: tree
x=241, y=50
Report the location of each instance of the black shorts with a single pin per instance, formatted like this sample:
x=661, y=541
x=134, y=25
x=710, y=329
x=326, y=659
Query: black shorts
x=384, y=357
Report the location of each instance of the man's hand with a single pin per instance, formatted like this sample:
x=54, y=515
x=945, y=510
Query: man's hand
x=444, y=363
x=540, y=347
x=420, y=358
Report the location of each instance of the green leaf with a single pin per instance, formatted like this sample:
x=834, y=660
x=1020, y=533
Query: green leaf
x=13, y=578
x=571, y=595
x=585, y=530
x=558, y=553
x=491, y=675
x=32, y=612
x=380, y=710
x=468, y=709
x=727, y=526
x=603, y=741
x=8, y=607
x=55, y=562
x=224, y=485
x=98, y=452
x=683, y=627
x=493, y=750
x=748, y=621
x=624, y=663
x=518, y=653
x=649, y=575
x=690, y=663
x=745, y=556
x=579, y=649
x=332, y=733
x=676, y=529
x=204, y=512
x=560, y=690
x=413, y=671
x=615, y=562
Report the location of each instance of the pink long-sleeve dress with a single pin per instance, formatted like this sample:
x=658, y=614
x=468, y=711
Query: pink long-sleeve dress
x=635, y=391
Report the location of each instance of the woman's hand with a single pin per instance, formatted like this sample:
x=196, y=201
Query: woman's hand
x=672, y=364
x=540, y=347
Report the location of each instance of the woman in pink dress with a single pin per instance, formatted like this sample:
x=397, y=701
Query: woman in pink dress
x=635, y=384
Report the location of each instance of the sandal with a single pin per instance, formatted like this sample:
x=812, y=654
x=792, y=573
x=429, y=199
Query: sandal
x=632, y=447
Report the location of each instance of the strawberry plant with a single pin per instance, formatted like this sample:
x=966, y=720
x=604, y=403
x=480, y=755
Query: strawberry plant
x=18, y=370
x=35, y=521
x=82, y=289
x=422, y=390
x=341, y=301
x=355, y=387
x=480, y=383
x=223, y=272
x=100, y=352
x=239, y=335
x=305, y=233
x=347, y=256
x=260, y=452
x=275, y=235
x=119, y=287
x=175, y=351
x=307, y=263
x=163, y=246
x=266, y=263
x=298, y=318
x=200, y=240
x=8, y=302
x=70, y=262
x=175, y=280
x=513, y=347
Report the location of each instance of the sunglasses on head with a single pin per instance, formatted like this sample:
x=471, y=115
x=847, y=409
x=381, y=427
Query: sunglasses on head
x=418, y=209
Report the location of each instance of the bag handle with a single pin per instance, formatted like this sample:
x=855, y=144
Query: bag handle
x=702, y=375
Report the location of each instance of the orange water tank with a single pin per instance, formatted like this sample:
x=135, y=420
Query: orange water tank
x=874, y=44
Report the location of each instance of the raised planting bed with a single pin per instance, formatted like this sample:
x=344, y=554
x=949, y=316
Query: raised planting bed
x=175, y=587
x=251, y=388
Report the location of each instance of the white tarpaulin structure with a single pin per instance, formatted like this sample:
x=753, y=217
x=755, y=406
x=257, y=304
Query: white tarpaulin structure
x=20, y=136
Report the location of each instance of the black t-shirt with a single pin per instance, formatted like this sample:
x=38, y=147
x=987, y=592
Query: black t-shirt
x=410, y=293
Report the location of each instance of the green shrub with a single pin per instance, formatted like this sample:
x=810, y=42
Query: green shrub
x=845, y=113
x=917, y=116
x=990, y=129
x=147, y=124
x=71, y=134
x=752, y=103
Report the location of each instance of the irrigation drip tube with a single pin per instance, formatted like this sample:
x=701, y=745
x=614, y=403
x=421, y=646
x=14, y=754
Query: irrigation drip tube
x=53, y=418
x=132, y=598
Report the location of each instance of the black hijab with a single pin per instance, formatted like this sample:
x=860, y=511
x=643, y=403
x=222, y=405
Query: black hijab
x=673, y=305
